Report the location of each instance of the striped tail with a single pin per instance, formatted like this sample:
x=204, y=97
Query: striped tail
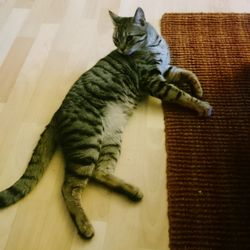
x=39, y=161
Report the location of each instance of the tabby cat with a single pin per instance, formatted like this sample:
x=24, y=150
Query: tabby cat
x=89, y=123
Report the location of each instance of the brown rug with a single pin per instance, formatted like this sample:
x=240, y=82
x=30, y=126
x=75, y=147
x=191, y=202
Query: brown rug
x=208, y=164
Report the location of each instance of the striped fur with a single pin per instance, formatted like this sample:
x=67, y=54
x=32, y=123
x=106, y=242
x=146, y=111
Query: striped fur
x=89, y=123
x=35, y=169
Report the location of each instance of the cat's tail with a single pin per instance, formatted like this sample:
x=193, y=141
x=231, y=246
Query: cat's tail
x=39, y=161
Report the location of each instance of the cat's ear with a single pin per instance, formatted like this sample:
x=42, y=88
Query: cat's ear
x=115, y=18
x=139, y=17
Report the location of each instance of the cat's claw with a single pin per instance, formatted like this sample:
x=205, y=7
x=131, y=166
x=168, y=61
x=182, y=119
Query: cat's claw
x=209, y=111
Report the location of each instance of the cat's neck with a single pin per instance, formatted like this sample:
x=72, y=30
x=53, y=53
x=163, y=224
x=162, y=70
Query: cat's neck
x=157, y=45
x=155, y=42
x=152, y=36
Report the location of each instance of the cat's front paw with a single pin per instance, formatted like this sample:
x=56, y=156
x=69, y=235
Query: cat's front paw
x=205, y=109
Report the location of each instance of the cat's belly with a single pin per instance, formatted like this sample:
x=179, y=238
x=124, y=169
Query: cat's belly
x=115, y=117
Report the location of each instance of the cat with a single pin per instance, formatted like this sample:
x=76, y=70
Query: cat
x=89, y=123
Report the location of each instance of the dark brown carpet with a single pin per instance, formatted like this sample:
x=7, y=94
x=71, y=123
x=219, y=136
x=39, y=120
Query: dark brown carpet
x=208, y=164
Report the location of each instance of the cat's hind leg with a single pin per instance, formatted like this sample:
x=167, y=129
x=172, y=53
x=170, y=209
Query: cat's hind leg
x=80, y=137
x=118, y=185
x=80, y=164
x=72, y=190
x=105, y=167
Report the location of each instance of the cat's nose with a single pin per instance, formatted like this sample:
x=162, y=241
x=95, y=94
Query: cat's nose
x=122, y=46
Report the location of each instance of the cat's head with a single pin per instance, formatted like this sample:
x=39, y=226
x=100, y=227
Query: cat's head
x=130, y=33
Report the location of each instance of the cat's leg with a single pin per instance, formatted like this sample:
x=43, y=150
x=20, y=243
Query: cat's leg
x=72, y=190
x=160, y=88
x=103, y=174
x=176, y=75
x=81, y=157
x=118, y=185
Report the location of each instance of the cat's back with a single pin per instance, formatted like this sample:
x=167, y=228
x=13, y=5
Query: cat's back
x=114, y=78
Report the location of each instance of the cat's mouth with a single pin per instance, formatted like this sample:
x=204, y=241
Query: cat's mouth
x=125, y=52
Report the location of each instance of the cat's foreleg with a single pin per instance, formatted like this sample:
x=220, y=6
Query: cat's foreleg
x=160, y=88
x=179, y=75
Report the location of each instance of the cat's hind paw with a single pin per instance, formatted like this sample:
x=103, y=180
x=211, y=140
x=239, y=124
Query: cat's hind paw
x=137, y=196
x=85, y=230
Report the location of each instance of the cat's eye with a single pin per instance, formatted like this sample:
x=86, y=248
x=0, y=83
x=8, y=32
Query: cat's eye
x=129, y=38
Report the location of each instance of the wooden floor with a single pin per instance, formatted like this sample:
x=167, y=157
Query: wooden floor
x=44, y=46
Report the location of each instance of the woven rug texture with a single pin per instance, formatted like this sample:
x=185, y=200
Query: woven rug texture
x=208, y=159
